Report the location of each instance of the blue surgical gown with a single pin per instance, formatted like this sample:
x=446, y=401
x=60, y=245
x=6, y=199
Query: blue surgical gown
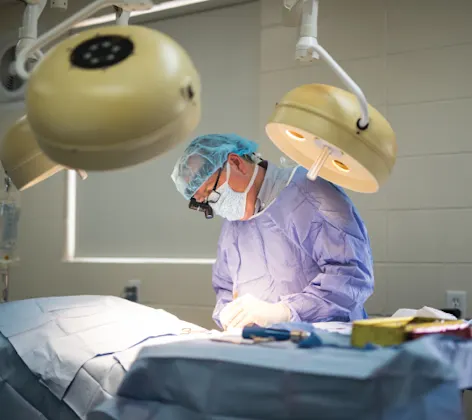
x=308, y=249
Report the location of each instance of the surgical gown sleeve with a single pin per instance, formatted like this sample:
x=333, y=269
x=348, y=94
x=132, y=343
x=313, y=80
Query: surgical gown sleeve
x=340, y=245
x=221, y=279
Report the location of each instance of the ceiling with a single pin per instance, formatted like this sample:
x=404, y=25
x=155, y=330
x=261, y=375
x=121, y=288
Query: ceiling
x=12, y=10
x=77, y=4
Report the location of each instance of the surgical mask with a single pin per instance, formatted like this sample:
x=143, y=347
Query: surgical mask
x=228, y=203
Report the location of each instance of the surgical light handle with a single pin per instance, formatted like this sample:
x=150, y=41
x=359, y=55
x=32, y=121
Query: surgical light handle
x=318, y=163
x=64, y=26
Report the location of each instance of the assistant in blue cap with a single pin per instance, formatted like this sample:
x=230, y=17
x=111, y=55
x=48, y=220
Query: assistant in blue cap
x=290, y=249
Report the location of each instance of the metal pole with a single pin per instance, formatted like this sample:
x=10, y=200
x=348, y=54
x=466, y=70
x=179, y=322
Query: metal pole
x=5, y=269
x=5, y=281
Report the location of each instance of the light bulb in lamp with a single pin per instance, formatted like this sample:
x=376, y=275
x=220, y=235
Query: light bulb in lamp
x=317, y=127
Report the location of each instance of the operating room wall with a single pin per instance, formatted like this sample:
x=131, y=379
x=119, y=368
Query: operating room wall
x=159, y=224
x=183, y=289
x=412, y=58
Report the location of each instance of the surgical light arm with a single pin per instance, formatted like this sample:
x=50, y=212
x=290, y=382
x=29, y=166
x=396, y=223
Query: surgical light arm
x=307, y=49
x=127, y=6
x=28, y=32
x=122, y=16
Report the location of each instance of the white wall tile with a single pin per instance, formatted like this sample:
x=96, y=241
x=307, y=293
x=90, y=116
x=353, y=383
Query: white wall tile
x=413, y=286
x=278, y=48
x=457, y=277
x=432, y=127
x=271, y=12
x=430, y=236
x=376, y=222
x=417, y=24
x=429, y=75
x=347, y=30
x=42, y=200
x=377, y=303
x=352, y=28
x=201, y=316
x=168, y=284
x=435, y=181
x=416, y=285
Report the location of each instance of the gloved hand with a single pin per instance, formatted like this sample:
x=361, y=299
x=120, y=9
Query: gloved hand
x=249, y=310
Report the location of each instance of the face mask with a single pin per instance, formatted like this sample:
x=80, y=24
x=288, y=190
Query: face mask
x=231, y=205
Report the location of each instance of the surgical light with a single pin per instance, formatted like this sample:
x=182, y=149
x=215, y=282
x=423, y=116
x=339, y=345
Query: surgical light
x=22, y=159
x=25, y=165
x=333, y=133
x=111, y=97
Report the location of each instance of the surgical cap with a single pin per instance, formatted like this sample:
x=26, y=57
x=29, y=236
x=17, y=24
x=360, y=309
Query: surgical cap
x=204, y=156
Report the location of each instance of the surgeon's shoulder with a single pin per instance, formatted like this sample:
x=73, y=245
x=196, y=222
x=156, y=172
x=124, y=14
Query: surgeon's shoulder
x=330, y=202
x=320, y=191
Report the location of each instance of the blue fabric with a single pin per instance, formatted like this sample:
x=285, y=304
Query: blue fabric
x=56, y=336
x=63, y=355
x=280, y=381
x=22, y=396
x=454, y=351
x=308, y=249
x=204, y=156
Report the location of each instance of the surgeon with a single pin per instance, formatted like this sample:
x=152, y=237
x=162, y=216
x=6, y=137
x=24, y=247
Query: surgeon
x=290, y=249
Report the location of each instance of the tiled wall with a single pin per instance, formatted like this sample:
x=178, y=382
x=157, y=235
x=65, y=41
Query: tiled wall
x=413, y=60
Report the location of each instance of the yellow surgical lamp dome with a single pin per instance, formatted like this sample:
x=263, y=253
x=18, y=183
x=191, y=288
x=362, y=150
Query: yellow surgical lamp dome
x=315, y=119
x=22, y=159
x=113, y=97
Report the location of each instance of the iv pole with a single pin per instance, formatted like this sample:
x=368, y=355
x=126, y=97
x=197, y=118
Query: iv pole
x=5, y=274
x=5, y=264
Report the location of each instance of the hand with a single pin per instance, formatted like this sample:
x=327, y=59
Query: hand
x=249, y=310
